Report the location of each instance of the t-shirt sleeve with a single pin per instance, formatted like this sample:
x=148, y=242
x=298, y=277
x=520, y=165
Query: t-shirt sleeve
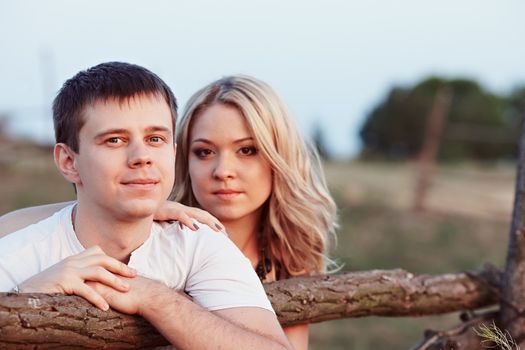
x=18, y=259
x=7, y=279
x=31, y=250
x=221, y=276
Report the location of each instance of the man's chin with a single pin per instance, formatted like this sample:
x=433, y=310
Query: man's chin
x=138, y=210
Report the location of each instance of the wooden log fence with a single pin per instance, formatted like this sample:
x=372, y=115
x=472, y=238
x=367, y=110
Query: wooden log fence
x=45, y=321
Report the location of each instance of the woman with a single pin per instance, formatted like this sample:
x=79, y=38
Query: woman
x=241, y=158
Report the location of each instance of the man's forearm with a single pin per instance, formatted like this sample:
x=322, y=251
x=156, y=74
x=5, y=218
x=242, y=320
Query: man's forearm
x=188, y=326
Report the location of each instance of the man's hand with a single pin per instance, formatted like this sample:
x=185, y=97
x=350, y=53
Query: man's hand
x=70, y=276
x=170, y=210
x=188, y=326
x=131, y=300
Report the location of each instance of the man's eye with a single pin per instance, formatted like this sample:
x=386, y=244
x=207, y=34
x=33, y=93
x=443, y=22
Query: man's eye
x=248, y=151
x=114, y=140
x=155, y=139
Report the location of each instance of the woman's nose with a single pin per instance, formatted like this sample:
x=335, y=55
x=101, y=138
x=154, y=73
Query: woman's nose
x=224, y=167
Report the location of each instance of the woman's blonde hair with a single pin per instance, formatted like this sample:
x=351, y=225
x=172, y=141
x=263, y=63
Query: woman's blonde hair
x=300, y=216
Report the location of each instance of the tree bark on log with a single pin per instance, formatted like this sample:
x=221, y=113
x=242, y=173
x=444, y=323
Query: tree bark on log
x=42, y=321
x=379, y=293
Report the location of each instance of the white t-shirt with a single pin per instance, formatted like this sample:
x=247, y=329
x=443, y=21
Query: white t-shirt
x=205, y=264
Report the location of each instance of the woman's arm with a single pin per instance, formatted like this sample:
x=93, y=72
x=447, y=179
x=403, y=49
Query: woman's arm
x=297, y=336
x=21, y=218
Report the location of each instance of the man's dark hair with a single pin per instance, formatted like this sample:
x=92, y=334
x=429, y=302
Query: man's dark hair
x=111, y=80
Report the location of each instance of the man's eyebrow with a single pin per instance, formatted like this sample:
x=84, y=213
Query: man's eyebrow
x=110, y=132
x=119, y=131
x=158, y=129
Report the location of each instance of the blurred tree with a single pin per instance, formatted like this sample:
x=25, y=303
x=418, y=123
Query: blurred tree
x=319, y=142
x=515, y=114
x=479, y=125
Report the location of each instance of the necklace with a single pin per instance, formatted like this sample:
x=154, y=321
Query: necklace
x=264, y=266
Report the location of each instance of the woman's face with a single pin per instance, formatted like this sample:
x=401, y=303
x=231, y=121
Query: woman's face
x=229, y=176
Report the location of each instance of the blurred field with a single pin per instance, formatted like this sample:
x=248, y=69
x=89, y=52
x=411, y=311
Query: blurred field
x=466, y=225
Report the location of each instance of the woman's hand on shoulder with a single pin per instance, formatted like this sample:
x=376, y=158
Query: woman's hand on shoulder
x=170, y=210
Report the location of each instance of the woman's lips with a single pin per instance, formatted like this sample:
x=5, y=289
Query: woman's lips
x=227, y=194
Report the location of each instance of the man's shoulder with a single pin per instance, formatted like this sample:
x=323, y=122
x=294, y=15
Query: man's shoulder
x=174, y=230
x=197, y=246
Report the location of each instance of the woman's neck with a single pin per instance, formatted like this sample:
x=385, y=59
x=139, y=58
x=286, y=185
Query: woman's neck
x=243, y=234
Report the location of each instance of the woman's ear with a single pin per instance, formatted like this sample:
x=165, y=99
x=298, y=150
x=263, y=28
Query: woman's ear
x=65, y=160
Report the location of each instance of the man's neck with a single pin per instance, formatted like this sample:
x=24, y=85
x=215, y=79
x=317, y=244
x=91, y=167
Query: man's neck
x=117, y=238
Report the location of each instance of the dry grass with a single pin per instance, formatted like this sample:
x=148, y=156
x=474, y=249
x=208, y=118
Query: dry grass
x=477, y=191
x=466, y=224
x=29, y=177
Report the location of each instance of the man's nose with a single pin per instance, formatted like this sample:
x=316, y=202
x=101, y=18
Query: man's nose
x=139, y=155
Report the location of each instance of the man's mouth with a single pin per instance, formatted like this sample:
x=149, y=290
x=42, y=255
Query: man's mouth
x=141, y=183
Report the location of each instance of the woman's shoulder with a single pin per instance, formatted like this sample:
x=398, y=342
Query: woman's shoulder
x=21, y=218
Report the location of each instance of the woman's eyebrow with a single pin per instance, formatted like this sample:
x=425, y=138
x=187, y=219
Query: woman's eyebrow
x=204, y=140
x=249, y=138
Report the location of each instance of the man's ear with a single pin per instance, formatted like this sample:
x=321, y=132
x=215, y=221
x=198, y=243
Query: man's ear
x=65, y=160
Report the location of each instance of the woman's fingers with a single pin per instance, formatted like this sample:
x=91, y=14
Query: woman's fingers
x=186, y=220
x=187, y=216
x=192, y=215
x=206, y=218
x=170, y=210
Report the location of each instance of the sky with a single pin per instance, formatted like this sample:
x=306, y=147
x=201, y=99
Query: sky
x=332, y=61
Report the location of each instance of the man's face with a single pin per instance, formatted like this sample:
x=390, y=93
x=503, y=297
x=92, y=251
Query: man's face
x=126, y=157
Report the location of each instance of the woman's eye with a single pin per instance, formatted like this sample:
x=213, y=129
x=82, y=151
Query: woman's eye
x=248, y=151
x=202, y=152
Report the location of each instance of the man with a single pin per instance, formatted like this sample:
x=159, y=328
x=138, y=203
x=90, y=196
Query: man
x=114, y=126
